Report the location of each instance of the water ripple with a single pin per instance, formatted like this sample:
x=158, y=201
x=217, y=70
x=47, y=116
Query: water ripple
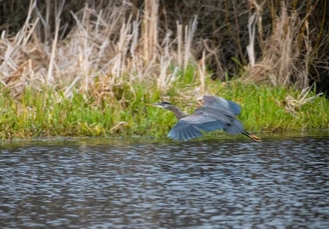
x=197, y=184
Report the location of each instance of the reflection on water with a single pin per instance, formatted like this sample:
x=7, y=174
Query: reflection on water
x=281, y=183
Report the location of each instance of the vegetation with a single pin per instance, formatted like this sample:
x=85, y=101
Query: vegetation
x=46, y=113
x=94, y=77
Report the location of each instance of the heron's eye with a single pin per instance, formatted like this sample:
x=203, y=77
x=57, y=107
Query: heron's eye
x=165, y=103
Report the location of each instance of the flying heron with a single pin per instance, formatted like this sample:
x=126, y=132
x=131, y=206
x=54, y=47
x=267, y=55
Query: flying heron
x=215, y=114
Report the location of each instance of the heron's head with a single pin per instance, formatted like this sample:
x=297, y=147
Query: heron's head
x=162, y=104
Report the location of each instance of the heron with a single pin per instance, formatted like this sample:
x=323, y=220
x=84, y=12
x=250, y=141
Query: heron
x=215, y=114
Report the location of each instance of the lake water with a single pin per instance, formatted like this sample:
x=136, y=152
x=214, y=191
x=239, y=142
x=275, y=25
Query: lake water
x=282, y=182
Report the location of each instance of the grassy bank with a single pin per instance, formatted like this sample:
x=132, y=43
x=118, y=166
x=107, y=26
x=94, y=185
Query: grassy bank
x=124, y=112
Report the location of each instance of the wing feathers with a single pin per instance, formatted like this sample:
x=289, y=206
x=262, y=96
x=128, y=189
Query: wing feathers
x=234, y=128
x=217, y=113
x=217, y=102
x=205, y=119
x=184, y=131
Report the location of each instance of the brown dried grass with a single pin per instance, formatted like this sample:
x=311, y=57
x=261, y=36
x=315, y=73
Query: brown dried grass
x=104, y=50
x=113, y=43
x=282, y=61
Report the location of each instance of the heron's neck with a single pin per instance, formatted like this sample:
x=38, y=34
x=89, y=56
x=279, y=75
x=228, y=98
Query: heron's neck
x=178, y=113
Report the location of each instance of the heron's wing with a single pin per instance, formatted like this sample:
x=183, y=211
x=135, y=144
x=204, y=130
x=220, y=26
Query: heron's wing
x=206, y=119
x=183, y=131
x=218, y=102
x=220, y=118
x=235, y=127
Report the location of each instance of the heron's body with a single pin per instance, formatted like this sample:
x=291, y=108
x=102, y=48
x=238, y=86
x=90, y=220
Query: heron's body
x=216, y=113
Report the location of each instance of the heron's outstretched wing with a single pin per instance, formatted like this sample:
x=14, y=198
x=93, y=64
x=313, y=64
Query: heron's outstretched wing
x=218, y=102
x=223, y=117
x=206, y=119
x=184, y=131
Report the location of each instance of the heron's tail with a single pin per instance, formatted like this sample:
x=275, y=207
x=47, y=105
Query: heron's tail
x=252, y=136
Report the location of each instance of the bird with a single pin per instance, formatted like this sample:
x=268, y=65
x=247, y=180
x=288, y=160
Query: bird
x=215, y=114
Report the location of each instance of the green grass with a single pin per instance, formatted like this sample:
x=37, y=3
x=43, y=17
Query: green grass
x=263, y=108
x=48, y=113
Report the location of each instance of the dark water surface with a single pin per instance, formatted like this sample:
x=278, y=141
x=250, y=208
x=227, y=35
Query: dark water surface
x=209, y=183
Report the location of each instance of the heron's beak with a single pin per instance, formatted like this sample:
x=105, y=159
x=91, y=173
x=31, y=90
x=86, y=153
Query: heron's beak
x=154, y=105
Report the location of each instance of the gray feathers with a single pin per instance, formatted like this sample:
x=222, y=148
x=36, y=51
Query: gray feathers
x=216, y=102
x=217, y=113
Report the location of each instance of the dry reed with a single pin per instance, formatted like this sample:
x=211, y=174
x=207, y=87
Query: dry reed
x=105, y=44
x=285, y=53
x=116, y=42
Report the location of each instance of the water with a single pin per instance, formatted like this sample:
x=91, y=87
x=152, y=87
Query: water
x=207, y=183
